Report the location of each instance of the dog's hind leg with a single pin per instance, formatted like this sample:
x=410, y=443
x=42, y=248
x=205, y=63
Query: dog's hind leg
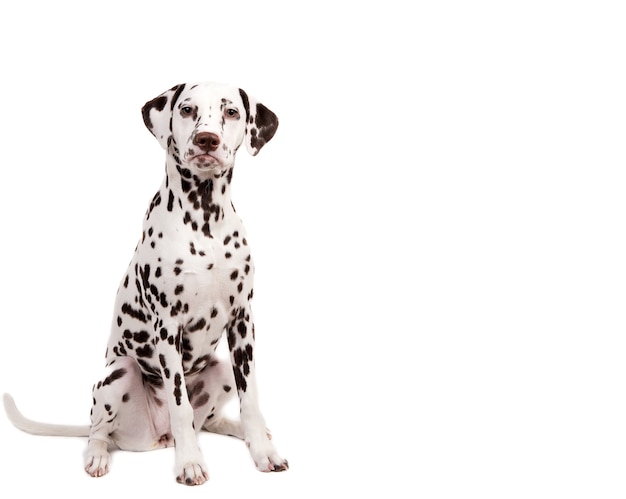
x=209, y=391
x=120, y=415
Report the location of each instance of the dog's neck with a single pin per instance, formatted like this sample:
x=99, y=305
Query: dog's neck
x=202, y=199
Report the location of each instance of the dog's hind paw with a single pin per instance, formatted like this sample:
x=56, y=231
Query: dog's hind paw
x=97, y=459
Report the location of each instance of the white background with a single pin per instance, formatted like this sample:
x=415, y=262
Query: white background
x=438, y=229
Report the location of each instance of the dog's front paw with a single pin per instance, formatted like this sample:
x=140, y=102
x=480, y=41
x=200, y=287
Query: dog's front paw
x=265, y=456
x=274, y=463
x=192, y=474
x=97, y=459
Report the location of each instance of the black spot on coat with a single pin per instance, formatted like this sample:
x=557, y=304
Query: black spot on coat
x=115, y=375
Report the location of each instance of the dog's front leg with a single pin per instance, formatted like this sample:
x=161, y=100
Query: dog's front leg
x=190, y=467
x=256, y=435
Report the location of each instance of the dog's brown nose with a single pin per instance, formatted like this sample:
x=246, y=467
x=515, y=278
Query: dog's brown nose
x=206, y=141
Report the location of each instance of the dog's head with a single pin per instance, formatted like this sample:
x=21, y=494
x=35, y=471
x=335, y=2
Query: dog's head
x=204, y=124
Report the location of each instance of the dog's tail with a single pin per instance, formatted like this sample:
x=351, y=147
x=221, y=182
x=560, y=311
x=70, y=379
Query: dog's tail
x=54, y=430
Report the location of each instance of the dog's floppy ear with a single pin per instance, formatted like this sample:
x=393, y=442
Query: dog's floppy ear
x=261, y=123
x=157, y=114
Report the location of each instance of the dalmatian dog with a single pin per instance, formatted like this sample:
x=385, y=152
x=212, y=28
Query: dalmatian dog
x=190, y=282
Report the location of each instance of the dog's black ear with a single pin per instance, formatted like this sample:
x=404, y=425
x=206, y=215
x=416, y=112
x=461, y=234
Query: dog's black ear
x=261, y=123
x=157, y=114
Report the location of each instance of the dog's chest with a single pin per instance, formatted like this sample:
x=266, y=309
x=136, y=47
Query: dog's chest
x=191, y=271
x=203, y=270
x=197, y=271
x=205, y=280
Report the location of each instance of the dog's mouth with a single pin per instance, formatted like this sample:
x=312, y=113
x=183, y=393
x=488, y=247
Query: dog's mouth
x=205, y=161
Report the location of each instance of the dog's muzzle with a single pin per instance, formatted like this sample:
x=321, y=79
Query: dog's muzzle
x=203, y=152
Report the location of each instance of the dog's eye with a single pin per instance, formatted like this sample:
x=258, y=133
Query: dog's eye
x=186, y=111
x=231, y=113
